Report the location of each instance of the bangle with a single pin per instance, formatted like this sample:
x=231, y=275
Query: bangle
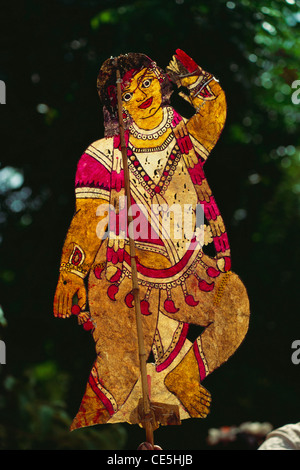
x=68, y=267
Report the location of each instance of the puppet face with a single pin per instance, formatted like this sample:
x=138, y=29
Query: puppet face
x=142, y=97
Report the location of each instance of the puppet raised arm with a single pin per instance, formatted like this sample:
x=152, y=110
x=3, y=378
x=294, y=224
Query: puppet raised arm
x=205, y=94
x=203, y=91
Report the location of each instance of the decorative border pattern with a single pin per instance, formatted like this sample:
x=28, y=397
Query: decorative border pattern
x=173, y=350
x=221, y=287
x=95, y=193
x=166, y=283
x=144, y=179
x=202, y=363
x=107, y=399
x=73, y=269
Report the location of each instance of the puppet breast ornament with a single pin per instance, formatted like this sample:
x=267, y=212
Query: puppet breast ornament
x=174, y=216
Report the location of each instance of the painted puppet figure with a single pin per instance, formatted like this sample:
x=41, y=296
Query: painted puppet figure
x=180, y=285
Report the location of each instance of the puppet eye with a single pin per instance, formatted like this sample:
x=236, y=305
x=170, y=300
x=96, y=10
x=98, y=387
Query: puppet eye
x=127, y=96
x=146, y=83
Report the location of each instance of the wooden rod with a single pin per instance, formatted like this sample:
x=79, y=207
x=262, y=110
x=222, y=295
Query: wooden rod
x=134, y=275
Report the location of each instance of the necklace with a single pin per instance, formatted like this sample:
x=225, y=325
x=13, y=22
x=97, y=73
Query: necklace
x=159, y=148
x=158, y=131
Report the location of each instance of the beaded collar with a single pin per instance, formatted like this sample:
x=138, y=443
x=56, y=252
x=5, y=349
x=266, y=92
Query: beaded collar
x=144, y=179
x=159, y=148
x=138, y=133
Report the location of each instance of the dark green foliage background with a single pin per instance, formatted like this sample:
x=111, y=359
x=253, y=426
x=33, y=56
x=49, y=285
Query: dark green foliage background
x=50, y=54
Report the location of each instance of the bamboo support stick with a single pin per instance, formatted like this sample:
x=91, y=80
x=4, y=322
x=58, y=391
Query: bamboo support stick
x=135, y=285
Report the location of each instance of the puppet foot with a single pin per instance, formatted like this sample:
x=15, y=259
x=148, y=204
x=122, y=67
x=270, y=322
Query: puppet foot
x=184, y=382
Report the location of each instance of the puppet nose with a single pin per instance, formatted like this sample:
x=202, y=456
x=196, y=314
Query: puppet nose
x=140, y=94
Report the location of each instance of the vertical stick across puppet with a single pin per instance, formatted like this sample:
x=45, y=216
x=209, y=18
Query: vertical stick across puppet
x=178, y=284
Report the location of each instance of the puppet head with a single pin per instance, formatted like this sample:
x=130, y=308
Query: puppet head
x=129, y=65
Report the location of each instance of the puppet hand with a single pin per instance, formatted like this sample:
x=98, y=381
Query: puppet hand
x=83, y=317
x=68, y=286
x=189, y=63
x=204, y=191
x=217, y=227
x=182, y=67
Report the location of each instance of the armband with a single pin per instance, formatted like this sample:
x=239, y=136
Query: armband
x=74, y=265
x=68, y=267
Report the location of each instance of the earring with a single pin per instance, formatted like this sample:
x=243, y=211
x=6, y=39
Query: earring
x=125, y=115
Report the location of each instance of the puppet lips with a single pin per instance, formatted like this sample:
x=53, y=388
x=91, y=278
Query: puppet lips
x=146, y=103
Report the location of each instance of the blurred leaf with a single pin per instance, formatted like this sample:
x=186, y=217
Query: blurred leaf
x=3, y=321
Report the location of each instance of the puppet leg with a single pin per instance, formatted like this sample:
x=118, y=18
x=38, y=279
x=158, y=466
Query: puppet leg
x=117, y=367
x=226, y=328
